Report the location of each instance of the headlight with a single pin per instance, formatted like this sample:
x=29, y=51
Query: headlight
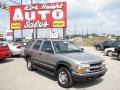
x=103, y=65
x=84, y=65
x=82, y=68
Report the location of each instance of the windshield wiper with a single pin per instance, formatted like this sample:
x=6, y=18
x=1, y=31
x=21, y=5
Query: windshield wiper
x=70, y=51
x=76, y=51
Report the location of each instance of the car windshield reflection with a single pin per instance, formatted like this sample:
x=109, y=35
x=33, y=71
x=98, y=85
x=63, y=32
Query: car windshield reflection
x=65, y=47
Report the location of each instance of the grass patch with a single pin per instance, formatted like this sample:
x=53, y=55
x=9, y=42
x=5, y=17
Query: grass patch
x=91, y=41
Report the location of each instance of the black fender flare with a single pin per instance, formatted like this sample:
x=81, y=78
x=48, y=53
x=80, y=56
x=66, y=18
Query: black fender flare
x=63, y=63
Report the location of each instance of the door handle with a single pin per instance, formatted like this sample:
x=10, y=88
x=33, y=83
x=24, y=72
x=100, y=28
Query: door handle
x=40, y=54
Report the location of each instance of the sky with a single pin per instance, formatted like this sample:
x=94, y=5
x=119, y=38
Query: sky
x=94, y=16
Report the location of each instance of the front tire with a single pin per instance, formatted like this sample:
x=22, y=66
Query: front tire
x=64, y=77
x=119, y=57
x=110, y=53
x=29, y=64
x=98, y=48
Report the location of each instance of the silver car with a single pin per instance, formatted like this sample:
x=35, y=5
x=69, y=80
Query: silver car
x=64, y=60
x=16, y=49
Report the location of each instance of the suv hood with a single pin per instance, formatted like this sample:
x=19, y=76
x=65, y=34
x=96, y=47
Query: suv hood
x=82, y=57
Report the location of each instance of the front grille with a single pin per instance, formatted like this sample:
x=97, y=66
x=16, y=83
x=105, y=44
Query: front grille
x=95, y=67
x=95, y=64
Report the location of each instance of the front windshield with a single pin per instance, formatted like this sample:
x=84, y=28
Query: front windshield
x=65, y=47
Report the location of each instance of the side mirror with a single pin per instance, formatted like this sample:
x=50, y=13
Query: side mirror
x=82, y=49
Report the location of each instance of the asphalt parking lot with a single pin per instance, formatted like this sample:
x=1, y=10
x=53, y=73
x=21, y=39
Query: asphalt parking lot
x=15, y=76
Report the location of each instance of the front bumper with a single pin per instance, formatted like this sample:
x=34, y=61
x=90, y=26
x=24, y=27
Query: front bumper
x=17, y=52
x=88, y=76
x=115, y=54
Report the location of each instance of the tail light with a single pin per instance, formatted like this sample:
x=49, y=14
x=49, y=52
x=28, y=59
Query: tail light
x=19, y=47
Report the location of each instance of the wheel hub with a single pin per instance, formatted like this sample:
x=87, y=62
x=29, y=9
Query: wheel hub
x=63, y=77
x=29, y=64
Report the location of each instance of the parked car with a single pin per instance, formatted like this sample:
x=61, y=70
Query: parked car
x=64, y=60
x=107, y=44
x=4, y=51
x=15, y=48
x=109, y=51
x=117, y=51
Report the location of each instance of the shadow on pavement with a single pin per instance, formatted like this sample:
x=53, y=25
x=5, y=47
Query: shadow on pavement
x=17, y=56
x=46, y=75
x=87, y=84
x=6, y=60
x=83, y=84
x=114, y=58
x=101, y=51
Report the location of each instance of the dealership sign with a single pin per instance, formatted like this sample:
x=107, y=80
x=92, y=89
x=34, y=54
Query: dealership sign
x=46, y=15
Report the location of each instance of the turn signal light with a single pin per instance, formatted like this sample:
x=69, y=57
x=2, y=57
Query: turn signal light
x=80, y=70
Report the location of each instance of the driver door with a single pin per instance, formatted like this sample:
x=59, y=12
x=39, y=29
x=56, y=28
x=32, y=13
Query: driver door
x=47, y=53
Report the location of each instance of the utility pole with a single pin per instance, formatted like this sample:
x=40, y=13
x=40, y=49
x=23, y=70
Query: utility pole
x=34, y=30
x=75, y=29
x=82, y=33
x=31, y=2
x=75, y=32
x=87, y=30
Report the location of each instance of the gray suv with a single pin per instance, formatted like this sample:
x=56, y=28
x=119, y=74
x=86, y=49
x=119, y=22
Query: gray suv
x=64, y=60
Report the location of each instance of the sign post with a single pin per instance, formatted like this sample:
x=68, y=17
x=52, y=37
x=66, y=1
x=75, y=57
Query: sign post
x=21, y=29
x=36, y=33
x=13, y=37
x=64, y=33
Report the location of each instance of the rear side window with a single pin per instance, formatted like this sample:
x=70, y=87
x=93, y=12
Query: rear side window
x=37, y=45
x=29, y=44
x=116, y=43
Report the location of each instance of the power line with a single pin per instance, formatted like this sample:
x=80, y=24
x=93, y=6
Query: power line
x=4, y=6
x=14, y=2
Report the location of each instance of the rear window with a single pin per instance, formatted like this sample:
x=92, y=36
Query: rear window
x=28, y=45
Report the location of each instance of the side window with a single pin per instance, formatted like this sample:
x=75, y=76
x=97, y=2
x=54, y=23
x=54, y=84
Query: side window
x=108, y=42
x=37, y=45
x=116, y=43
x=47, y=47
x=28, y=45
